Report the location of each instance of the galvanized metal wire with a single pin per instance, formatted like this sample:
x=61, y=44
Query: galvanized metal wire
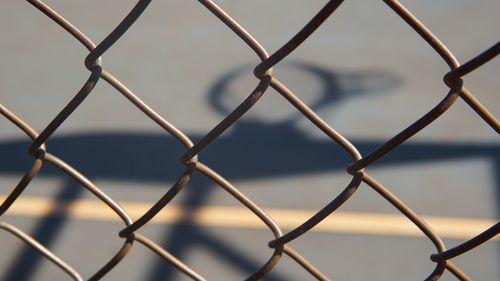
x=264, y=79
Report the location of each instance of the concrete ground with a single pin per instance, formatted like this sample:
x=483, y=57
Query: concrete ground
x=364, y=71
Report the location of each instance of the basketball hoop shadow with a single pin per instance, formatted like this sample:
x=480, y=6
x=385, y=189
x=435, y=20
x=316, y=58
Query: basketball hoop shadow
x=101, y=156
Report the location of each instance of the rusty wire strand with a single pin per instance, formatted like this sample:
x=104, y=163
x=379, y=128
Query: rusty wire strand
x=190, y=158
x=169, y=257
x=468, y=245
x=223, y=183
x=41, y=249
x=316, y=273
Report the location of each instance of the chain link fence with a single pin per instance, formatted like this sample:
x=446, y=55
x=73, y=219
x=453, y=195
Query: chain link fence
x=193, y=162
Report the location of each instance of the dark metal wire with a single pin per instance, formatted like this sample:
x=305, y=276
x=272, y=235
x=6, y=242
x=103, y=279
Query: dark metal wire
x=264, y=73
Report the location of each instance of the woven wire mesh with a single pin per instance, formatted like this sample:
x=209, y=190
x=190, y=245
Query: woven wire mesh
x=192, y=163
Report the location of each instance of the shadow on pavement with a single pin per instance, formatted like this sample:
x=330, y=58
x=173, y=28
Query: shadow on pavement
x=252, y=150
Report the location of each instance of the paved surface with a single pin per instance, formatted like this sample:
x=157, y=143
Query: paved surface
x=364, y=71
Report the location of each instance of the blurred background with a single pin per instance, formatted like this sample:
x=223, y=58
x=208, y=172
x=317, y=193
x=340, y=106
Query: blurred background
x=364, y=71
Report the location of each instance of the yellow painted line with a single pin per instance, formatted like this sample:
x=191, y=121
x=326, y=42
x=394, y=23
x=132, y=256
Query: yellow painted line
x=240, y=217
